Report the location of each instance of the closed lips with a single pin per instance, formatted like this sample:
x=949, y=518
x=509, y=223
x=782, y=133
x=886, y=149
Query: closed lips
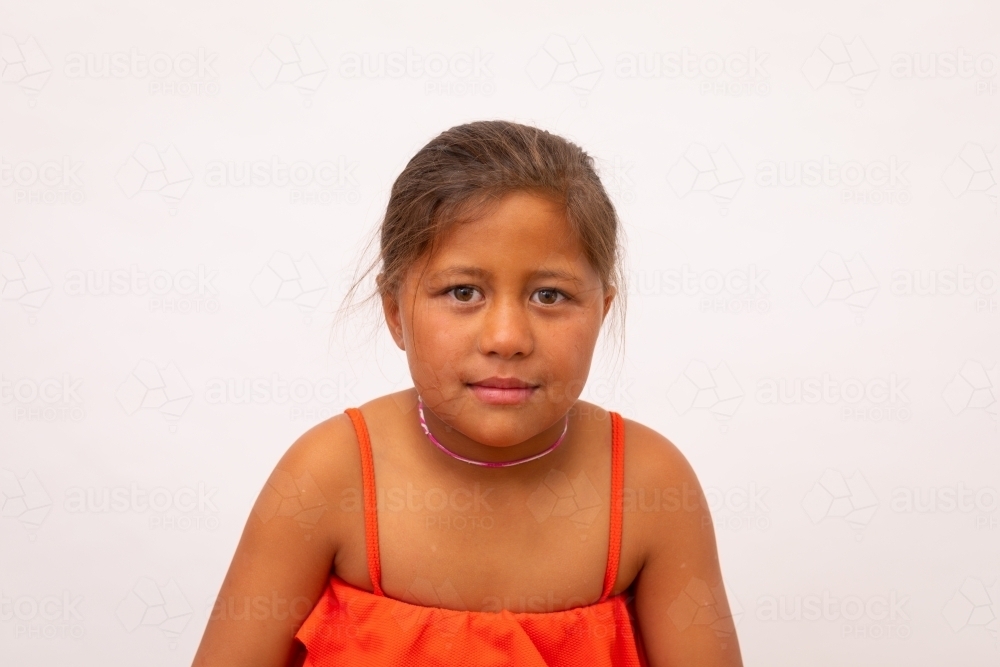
x=504, y=383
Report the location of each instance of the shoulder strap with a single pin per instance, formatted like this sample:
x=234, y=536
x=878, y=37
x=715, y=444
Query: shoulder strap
x=368, y=484
x=617, y=479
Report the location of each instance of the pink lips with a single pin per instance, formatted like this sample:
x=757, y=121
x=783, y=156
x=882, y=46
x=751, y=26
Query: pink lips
x=502, y=391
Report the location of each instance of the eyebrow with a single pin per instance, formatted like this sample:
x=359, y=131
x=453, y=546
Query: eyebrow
x=477, y=272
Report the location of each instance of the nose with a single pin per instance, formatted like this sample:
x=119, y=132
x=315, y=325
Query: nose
x=506, y=329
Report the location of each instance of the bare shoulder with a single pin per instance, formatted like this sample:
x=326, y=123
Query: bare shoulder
x=326, y=452
x=663, y=505
x=329, y=452
x=668, y=525
x=310, y=481
x=652, y=460
x=291, y=538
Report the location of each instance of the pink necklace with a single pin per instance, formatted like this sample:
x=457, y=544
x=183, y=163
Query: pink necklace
x=487, y=464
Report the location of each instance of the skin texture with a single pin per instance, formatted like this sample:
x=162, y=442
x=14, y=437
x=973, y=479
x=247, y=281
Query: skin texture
x=460, y=536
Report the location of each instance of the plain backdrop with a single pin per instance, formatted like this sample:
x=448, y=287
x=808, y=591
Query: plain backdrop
x=809, y=192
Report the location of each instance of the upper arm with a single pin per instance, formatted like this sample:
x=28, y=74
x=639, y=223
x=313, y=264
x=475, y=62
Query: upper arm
x=284, y=557
x=680, y=600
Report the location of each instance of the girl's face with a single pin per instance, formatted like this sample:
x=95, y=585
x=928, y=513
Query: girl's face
x=510, y=296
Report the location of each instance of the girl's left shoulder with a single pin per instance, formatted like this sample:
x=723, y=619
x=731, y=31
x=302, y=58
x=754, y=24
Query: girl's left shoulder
x=653, y=461
x=668, y=537
x=662, y=498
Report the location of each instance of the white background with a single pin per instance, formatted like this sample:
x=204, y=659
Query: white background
x=878, y=277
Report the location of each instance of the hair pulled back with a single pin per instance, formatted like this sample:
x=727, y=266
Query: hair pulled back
x=465, y=169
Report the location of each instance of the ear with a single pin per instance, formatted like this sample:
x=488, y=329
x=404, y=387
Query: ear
x=393, y=316
x=609, y=296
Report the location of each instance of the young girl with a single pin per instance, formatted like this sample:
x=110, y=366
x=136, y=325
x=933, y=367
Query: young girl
x=485, y=516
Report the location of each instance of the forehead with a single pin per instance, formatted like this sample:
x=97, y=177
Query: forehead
x=522, y=232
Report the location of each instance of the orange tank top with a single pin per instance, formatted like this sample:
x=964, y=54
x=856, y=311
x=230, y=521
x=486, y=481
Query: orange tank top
x=350, y=626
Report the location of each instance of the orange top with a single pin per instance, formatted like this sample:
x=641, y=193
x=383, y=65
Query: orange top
x=350, y=626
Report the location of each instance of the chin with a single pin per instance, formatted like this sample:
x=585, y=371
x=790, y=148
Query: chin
x=499, y=428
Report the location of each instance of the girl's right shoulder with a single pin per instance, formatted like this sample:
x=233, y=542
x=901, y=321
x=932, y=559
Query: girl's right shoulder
x=314, y=485
x=328, y=452
x=331, y=448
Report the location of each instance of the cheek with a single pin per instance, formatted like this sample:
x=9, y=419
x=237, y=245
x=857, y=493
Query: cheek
x=569, y=348
x=438, y=337
x=437, y=351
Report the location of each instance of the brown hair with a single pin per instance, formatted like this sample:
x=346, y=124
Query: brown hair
x=468, y=167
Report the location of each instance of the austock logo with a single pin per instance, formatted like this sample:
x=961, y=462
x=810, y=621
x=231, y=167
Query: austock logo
x=25, y=282
x=58, y=397
x=700, y=604
x=872, y=182
x=307, y=398
x=975, y=605
x=297, y=497
x=836, y=497
x=151, y=388
x=40, y=617
x=50, y=182
x=180, y=74
x=295, y=63
x=981, y=502
x=736, y=291
x=561, y=62
x=836, y=62
x=974, y=170
x=713, y=389
x=738, y=507
x=974, y=387
x=285, y=278
x=874, y=399
x=148, y=604
x=948, y=65
x=735, y=74
x=559, y=496
x=836, y=279
x=455, y=508
x=876, y=617
x=943, y=282
x=24, y=499
x=185, y=291
x=24, y=64
x=456, y=73
x=436, y=608
x=181, y=508
x=150, y=170
x=616, y=174
x=702, y=170
x=323, y=182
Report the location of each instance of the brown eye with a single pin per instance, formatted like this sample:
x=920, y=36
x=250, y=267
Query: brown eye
x=464, y=293
x=548, y=296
